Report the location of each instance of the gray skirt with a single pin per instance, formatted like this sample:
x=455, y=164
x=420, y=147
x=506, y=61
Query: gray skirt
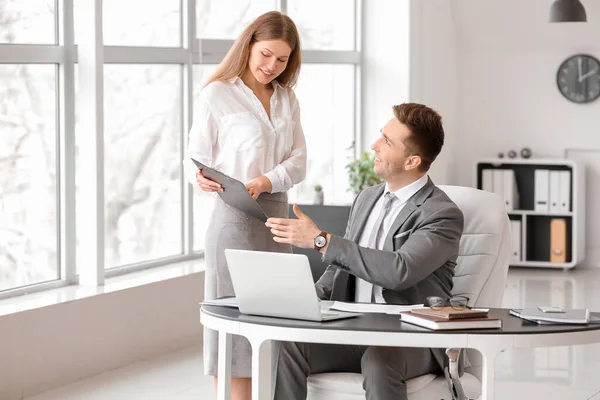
x=230, y=228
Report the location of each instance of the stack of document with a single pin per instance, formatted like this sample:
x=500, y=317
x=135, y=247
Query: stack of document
x=572, y=316
x=451, y=313
x=460, y=321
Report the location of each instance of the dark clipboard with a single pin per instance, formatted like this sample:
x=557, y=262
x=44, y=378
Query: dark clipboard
x=234, y=192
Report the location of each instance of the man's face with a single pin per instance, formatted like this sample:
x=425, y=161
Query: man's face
x=389, y=149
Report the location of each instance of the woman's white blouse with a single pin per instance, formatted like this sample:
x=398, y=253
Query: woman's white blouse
x=233, y=134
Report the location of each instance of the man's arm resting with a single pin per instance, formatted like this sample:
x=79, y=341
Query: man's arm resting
x=431, y=245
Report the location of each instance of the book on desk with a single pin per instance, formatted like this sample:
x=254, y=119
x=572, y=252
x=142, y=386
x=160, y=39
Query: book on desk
x=471, y=319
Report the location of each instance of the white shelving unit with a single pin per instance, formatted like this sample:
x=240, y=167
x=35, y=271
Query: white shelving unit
x=535, y=225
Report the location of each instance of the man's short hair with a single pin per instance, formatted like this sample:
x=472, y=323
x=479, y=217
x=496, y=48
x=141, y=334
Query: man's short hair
x=426, y=131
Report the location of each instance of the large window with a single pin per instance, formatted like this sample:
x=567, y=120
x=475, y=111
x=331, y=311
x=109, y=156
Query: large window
x=120, y=176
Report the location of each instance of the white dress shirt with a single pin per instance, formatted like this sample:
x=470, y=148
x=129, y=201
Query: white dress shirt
x=233, y=134
x=363, y=288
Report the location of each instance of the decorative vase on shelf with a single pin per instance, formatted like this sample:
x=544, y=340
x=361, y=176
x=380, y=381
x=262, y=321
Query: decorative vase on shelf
x=318, y=197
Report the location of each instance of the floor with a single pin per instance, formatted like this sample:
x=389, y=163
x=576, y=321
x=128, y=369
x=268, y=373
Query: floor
x=545, y=373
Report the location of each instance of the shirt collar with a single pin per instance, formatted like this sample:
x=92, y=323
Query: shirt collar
x=408, y=191
x=235, y=79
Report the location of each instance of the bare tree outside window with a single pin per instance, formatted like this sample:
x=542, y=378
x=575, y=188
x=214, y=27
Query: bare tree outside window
x=28, y=220
x=142, y=165
x=226, y=19
x=324, y=25
x=27, y=22
x=28, y=223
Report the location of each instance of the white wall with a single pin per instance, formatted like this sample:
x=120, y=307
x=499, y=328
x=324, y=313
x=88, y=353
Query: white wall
x=433, y=74
x=52, y=346
x=508, y=55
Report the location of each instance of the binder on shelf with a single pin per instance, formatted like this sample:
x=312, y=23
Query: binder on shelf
x=498, y=179
x=554, y=192
x=564, y=204
x=558, y=240
x=541, y=190
x=510, y=191
x=487, y=180
x=515, y=234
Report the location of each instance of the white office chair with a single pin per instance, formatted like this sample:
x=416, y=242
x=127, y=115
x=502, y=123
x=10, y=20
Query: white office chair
x=480, y=275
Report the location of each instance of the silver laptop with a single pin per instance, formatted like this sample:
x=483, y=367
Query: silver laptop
x=277, y=285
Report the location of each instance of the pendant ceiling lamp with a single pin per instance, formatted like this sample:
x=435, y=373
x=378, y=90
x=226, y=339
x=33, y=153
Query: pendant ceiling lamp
x=567, y=11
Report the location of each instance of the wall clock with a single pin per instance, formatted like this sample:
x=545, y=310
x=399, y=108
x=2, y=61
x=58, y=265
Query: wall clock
x=578, y=78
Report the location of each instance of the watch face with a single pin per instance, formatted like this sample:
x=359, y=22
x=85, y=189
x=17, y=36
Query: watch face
x=320, y=241
x=578, y=78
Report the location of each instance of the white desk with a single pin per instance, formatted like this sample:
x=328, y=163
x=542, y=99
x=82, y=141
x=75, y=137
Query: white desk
x=381, y=330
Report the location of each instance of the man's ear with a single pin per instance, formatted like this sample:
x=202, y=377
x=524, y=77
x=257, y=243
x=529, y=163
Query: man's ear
x=413, y=162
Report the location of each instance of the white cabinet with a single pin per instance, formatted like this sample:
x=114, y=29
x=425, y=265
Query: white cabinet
x=545, y=202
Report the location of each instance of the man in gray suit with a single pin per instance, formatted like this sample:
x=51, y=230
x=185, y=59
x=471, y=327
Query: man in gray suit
x=400, y=246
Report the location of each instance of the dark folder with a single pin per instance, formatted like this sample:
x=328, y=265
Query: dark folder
x=234, y=192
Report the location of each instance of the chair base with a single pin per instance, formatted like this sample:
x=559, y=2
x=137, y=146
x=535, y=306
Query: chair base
x=348, y=386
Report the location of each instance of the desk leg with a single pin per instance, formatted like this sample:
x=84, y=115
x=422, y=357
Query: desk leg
x=488, y=375
x=224, y=372
x=489, y=347
x=261, y=370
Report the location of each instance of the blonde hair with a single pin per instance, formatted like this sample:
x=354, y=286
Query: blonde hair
x=269, y=26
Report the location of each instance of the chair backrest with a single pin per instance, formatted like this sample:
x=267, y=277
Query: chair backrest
x=484, y=253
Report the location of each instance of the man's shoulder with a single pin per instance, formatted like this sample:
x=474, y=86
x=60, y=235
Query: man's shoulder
x=439, y=202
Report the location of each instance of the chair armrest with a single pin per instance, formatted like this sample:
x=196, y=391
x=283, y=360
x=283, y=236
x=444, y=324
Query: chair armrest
x=454, y=356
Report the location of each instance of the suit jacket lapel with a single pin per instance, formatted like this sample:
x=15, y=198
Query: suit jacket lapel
x=411, y=205
x=364, y=211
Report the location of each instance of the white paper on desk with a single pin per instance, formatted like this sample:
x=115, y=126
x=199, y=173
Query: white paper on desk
x=376, y=308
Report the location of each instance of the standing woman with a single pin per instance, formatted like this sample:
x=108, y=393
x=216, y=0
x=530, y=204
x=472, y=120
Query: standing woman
x=247, y=125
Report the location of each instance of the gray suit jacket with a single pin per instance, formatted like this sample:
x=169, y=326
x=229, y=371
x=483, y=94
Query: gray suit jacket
x=418, y=257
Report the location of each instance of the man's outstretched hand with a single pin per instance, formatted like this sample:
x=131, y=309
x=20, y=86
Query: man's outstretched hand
x=299, y=232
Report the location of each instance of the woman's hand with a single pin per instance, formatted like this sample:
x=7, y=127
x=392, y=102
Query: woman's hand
x=258, y=186
x=206, y=184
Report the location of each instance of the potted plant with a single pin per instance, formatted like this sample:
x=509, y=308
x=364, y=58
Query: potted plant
x=319, y=196
x=361, y=174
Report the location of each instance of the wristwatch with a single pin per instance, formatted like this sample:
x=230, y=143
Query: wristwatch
x=320, y=241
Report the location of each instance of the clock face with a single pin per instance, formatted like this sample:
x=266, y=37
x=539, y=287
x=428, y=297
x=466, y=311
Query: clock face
x=578, y=78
